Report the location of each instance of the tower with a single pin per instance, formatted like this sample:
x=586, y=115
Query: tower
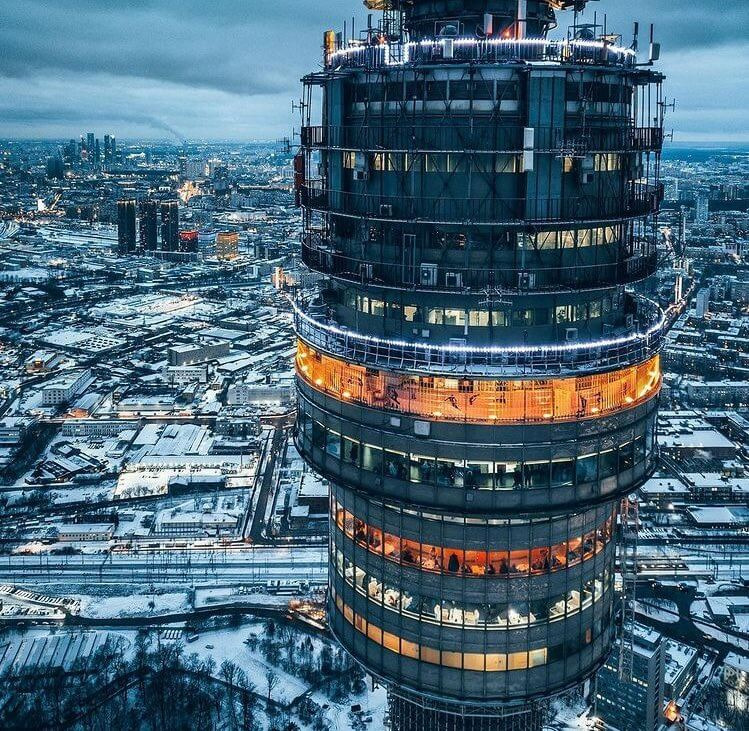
x=475, y=379
x=126, y=227
x=170, y=226
x=149, y=225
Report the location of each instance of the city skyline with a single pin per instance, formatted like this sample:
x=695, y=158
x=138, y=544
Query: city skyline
x=162, y=70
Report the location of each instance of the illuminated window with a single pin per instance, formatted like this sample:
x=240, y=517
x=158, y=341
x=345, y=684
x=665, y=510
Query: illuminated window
x=480, y=400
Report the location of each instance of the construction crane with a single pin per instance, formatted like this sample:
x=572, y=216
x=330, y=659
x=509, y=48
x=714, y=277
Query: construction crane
x=630, y=520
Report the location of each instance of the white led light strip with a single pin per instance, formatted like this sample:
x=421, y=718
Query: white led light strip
x=529, y=43
x=514, y=350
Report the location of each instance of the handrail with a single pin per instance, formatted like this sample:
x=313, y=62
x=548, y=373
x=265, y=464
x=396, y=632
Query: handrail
x=478, y=138
x=541, y=360
x=641, y=199
x=318, y=254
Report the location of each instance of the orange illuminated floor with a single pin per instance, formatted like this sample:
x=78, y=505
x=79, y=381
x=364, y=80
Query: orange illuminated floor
x=481, y=400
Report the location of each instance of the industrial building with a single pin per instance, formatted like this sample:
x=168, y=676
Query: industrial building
x=475, y=379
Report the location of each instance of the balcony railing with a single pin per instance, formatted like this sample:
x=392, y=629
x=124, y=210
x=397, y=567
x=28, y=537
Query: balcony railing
x=479, y=138
x=495, y=50
x=636, y=346
x=640, y=199
x=632, y=266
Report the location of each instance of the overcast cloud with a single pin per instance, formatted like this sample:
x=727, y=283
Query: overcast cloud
x=229, y=69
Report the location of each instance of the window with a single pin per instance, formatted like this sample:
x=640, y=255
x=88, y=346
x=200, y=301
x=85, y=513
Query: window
x=350, y=451
x=478, y=318
x=499, y=319
x=455, y=317
x=562, y=472
x=479, y=475
x=607, y=464
x=536, y=474
x=377, y=307
x=333, y=444
x=435, y=316
x=395, y=465
x=517, y=661
x=563, y=314
x=587, y=468
x=372, y=458
x=422, y=469
x=318, y=435
x=506, y=164
x=473, y=661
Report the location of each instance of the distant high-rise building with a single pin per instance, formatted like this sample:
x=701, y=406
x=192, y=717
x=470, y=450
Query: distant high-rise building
x=149, y=225
x=107, y=149
x=702, y=212
x=55, y=167
x=635, y=705
x=113, y=148
x=170, y=226
x=227, y=245
x=188, y=241
x=97, y=152
x=90, y=147
x=126, y=226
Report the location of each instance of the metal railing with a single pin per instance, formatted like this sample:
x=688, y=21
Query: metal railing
x=640, y=199
x=637, y=346
x=461, y=138
x=495, y=50
x=629, y=266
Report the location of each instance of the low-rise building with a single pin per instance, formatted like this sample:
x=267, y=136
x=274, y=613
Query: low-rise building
x=63, y=389
x=81, y=532
x=735, y=673
x=189, y=354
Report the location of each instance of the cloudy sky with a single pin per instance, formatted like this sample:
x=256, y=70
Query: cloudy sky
x=229, y=69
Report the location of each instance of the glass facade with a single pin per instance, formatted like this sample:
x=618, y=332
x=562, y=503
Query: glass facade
x=444, y=471
x=480, y=400
x=474, y=378
x=454, y=560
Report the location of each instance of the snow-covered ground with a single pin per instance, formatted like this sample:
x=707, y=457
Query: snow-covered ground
x=700, y=611
x=661, y=610
x=134, y=605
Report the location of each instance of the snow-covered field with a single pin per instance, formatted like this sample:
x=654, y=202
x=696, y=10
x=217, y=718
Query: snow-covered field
x=133, y=605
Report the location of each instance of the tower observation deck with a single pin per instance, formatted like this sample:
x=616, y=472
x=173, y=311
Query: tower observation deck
x=476, y=379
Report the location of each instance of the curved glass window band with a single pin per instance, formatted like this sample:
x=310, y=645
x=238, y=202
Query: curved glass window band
x=472, y=400
x=457, y=561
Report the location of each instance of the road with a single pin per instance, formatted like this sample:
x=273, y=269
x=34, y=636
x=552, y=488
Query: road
x=257, y=526
x=250, y=565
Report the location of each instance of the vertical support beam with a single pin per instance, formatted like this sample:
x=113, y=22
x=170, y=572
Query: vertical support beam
x=522, y=20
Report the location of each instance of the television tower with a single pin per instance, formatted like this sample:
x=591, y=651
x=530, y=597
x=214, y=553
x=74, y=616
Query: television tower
x=476, y=379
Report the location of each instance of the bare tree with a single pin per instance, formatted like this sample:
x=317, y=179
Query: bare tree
x=271, y=680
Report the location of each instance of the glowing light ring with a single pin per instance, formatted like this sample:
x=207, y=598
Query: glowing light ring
x=492, y=359
x=563, y=50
